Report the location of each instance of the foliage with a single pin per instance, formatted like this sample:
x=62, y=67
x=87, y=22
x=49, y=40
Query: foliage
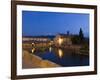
x=78, y=39
x=81, y=35
x=75, y=39
x=85, y=47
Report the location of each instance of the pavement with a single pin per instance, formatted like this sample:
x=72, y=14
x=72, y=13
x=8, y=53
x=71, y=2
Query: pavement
x=30, y=60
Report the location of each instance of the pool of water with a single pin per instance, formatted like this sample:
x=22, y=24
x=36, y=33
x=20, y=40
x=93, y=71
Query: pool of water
x=63, y=57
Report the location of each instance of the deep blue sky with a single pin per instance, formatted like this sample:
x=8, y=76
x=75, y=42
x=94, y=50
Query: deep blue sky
x=51, y=23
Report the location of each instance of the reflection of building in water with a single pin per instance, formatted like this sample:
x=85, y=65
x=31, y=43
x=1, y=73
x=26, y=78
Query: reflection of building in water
x=62, y=39
x=50, y=49
x=60, y=53
x=33, y=49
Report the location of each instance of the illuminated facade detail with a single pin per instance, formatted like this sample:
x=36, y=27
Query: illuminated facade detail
x=62, y=39
x=35, y=39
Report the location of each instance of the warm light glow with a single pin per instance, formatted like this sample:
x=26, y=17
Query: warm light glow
x=33, y=50
x=60, y=41
x=60, y=53
x=50, y=49
x=33, y=43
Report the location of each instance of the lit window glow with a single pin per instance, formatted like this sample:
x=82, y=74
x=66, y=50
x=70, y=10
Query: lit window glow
x=60, y=41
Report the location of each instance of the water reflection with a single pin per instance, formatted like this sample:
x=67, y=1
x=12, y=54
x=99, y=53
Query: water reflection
x=33, y=49
x=60, y=56
x=60, y=53
x=50, y=49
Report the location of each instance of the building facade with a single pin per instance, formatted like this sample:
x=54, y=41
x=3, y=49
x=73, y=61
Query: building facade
x=62, y=40
x=37, y=41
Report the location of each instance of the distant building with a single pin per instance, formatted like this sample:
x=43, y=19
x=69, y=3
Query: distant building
x=62, y=39
x=36, y=40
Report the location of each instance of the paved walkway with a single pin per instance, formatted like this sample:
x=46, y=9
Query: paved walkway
x=33, y=61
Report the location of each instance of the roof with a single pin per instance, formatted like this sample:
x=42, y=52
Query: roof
x=64, y=35
x=35, y=41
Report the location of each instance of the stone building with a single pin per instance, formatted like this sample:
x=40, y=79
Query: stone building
x=62, y=40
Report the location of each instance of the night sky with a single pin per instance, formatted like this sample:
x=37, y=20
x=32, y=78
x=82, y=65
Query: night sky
x=36, y=23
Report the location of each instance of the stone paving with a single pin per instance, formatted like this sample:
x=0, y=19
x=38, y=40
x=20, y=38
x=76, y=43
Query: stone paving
x=32, y=61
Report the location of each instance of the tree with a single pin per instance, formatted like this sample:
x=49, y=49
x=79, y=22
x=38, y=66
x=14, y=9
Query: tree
x=75, y=39
x=81, y=35
x=78, y=39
